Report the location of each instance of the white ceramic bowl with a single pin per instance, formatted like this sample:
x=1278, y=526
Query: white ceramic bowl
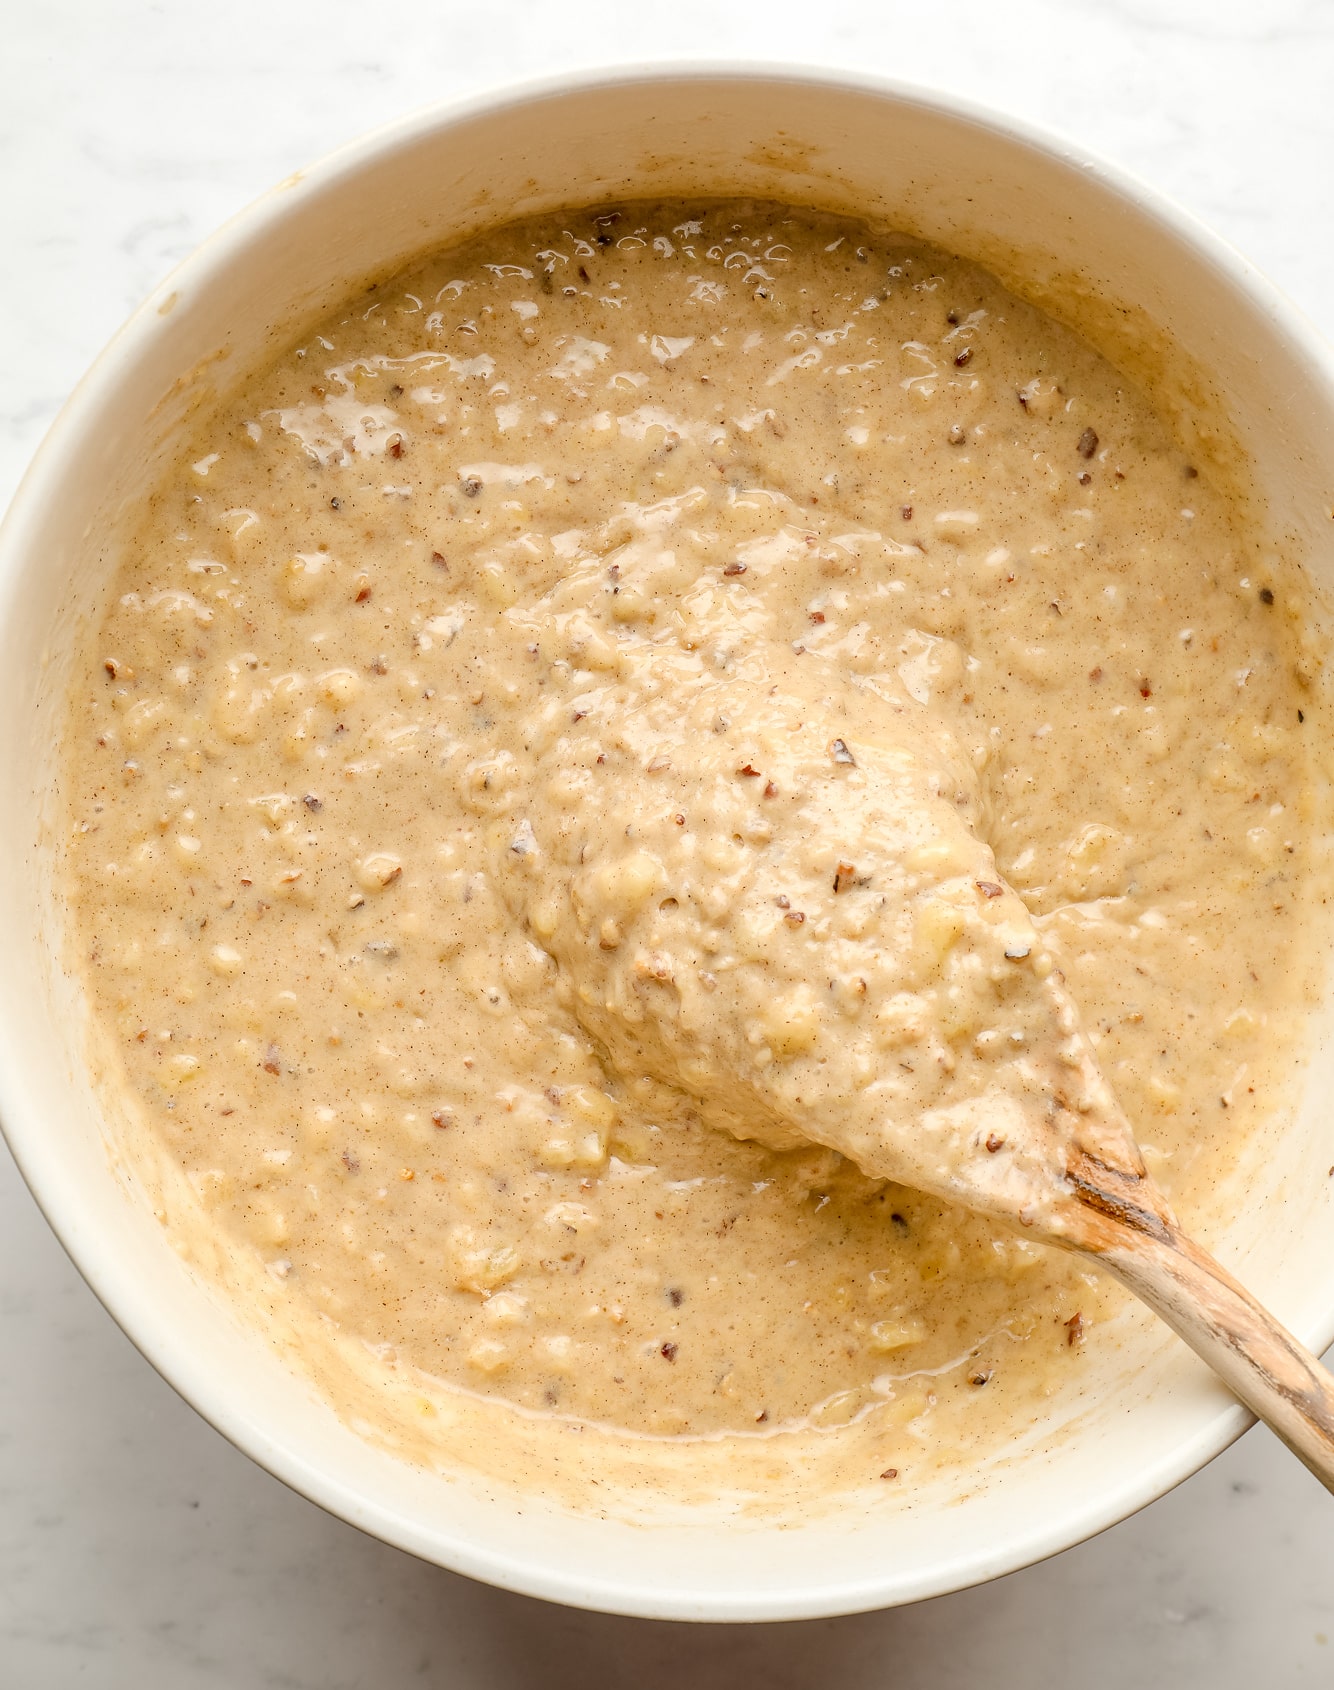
x=1139, y=277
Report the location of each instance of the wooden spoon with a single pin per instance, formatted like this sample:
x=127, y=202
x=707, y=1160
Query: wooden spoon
x=1119, y=1218
x=770, y=891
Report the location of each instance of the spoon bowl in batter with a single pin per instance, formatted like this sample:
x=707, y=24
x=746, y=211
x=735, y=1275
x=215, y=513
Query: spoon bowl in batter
x=771, y=898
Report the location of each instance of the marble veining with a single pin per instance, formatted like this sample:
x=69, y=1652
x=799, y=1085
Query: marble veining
x=136, y=1547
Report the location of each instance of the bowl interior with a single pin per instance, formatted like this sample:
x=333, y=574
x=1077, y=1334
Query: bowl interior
x=1252, y=393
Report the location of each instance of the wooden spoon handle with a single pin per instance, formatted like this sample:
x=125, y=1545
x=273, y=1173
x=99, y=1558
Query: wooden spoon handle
x=1260, y=1362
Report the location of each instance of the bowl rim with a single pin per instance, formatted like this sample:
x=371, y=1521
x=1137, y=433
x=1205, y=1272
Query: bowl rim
x=132, y=1309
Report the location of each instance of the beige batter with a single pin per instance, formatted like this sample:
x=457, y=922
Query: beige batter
x=523, y=607
x=790, y=919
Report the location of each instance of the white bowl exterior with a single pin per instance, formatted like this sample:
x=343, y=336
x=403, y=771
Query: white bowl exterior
x=936, y=168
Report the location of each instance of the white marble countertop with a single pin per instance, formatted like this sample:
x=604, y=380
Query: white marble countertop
x=137, y=1548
